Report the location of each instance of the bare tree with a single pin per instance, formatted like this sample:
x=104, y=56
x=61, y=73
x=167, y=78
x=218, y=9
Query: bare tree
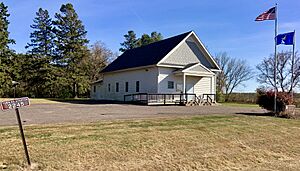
x=287, y=71
x=234, y=73
x=100, y=57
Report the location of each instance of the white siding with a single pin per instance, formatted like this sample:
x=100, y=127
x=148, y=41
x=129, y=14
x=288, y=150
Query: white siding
x=147, y=78
x=165, y=75
x=152, y=80
x=201, y=85
x=188, y=52
x=183, y=55
x=95, y=94
x=214, y=85
x=198, y=68
x=205, y=85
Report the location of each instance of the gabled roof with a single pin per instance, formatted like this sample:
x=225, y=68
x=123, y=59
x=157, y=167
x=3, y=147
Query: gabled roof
x=194, y=68
x=146, y=55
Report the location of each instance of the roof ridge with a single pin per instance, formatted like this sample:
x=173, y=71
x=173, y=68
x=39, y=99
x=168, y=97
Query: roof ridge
x=146, y=55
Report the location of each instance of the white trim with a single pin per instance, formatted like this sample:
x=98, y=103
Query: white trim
x=170, y=66
x=199, y=74
x=184, y=83
x=175, y=48
x=216, y=70
x=193, y=66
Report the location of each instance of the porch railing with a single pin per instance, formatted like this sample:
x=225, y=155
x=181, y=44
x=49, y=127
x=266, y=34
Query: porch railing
x=149, y=98
x=209, y=98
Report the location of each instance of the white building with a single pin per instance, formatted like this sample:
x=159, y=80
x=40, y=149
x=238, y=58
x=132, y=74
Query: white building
x=176, y=65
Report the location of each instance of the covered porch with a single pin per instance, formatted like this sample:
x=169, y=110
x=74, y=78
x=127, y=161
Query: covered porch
x=199, y=80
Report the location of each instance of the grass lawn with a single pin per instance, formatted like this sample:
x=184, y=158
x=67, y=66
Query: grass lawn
x=239, y=104
x=216, y=142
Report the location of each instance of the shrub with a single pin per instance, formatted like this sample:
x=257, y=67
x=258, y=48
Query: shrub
x=220, y=96
x=265, y=99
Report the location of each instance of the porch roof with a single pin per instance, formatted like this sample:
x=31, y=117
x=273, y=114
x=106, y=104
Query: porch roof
x=195, y=69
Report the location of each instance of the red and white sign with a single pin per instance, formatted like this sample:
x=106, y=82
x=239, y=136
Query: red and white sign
x=16, y=103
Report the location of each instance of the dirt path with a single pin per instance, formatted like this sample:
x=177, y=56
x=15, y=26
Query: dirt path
x=71, y=113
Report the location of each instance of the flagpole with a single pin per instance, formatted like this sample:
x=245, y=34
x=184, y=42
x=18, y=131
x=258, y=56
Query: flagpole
x=275, y=59
x=293, y=61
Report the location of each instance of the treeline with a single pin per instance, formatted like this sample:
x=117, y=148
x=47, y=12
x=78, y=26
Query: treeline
x=59, y=62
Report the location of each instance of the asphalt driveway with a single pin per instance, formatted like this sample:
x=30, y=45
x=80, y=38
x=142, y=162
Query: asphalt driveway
x=76, y=113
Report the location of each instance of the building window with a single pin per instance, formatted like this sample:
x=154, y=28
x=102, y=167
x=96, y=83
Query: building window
x=137, y=86
x=94, y=89
x=117, y=87
x=126, y=86
x=170, y=84
x=108, y=87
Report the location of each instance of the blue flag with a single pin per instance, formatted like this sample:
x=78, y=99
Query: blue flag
x=286, y=38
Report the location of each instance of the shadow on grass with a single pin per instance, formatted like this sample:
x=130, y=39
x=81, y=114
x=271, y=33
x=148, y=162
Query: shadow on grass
x=256, y=114
x=96, y=102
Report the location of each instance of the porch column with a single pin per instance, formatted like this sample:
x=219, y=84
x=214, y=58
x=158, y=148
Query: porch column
x=184, y=78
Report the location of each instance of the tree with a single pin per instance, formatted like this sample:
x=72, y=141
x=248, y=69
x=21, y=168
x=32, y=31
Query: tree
x=71, y=48
x=146, y=39
x=234, y=73
x=4, y=34
x=6, y=53
x=156, y=36
x=38, y=68
x=99, y=58
x=42, y=38
x=130, y=41
x=287, y=79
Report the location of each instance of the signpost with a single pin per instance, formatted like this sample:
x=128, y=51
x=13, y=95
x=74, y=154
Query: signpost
x=16, y=104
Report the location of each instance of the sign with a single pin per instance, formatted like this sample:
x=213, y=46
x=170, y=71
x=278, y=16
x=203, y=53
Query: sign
x=14, y=104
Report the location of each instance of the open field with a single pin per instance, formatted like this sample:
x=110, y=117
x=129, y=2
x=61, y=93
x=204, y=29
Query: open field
x=218, y=142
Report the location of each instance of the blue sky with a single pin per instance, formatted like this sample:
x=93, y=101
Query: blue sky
x=222, y=27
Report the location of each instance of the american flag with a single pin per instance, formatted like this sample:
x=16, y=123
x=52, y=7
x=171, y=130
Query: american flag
x=267, y=15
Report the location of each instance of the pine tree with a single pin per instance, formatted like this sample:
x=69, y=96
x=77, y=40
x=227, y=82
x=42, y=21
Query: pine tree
x=4, y=34
x=71, y=48
x=40, y=54
x=42, y=37
x=130, y=41
x=5, y=53
x=156, y=36
x=144, y=40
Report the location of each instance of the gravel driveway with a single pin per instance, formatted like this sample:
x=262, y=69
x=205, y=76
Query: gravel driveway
x=72, y=113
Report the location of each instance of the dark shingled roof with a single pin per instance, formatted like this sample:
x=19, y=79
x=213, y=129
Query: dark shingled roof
x=146, y=55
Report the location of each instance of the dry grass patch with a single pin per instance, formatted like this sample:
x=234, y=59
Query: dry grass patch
x=36, y=100
x=49, y=100
x=196, y=143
